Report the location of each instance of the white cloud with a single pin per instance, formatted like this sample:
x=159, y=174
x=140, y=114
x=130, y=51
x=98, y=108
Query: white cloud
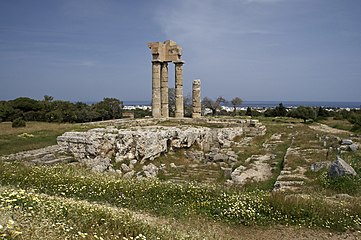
x=211, y=29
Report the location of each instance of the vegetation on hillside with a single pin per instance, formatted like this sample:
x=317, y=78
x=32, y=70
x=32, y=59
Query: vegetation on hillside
x=50, y=110
x=307, y=114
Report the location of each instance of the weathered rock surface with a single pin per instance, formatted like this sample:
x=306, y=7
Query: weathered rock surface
x=195, y=155
x=258, y=170
x=226, y=155
x=291, y=178
x=143, y=143
x=150, y=170
x=353, y=147
x=346, y=142
x=317, y=166
x=99, y=164
x=340, y=168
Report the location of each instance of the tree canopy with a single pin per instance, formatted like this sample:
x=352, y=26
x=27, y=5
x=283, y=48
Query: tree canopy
x=213, y=105
x=51, y=110
x=236, y=102
x=304, y=113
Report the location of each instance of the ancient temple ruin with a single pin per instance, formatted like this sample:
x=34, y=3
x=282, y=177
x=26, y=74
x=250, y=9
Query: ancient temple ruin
x=163, y=53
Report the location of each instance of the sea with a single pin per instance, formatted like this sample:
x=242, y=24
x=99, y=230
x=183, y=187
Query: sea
x=271, y=104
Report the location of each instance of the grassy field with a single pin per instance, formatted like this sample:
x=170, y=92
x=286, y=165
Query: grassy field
x=338, y=124
x=34, y=135
x=69, y=201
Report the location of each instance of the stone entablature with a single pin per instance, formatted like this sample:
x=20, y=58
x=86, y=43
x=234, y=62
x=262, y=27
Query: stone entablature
x=167, y=51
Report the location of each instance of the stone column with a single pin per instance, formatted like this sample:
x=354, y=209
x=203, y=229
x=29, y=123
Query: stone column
x=196, y=99
x=164, y=90
x=179, y=111
x=156, y=101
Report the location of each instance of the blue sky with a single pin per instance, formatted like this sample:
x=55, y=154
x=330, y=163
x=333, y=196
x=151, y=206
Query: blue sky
x=85, y=50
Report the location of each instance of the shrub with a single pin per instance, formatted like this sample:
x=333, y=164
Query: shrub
x=18, y=122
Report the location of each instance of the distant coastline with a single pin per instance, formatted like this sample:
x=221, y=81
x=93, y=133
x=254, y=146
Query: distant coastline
x=271, y=104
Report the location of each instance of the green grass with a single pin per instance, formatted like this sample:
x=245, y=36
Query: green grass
x=59, y=218
x=180, y=201
x=34, y=135
x=338, y=124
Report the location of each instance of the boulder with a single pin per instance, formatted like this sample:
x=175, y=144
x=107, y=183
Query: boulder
x=98, y=164
x=220, y=157
x=150, y=170
x=340, y=168
x=237, y=172
x=346, y=142
x=353, y=147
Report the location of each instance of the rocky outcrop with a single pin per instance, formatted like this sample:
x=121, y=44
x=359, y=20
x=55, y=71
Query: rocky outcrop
x=145, y=143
